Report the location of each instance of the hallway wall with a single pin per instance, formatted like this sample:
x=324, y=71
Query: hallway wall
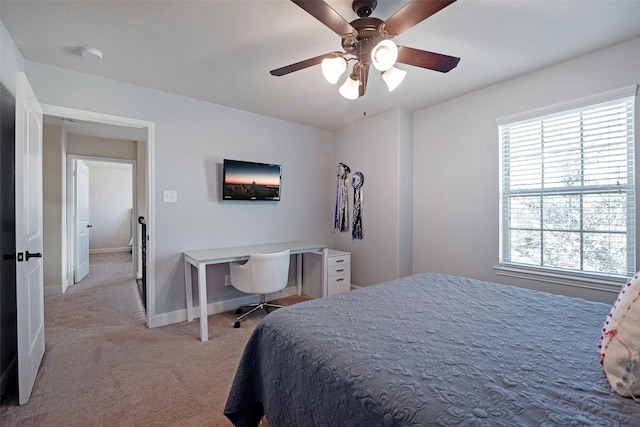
x=110, y=206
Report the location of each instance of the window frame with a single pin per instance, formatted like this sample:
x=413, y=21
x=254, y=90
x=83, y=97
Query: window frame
x=558, y=275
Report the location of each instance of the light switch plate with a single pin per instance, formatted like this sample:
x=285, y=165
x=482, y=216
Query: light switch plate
x=170, y=196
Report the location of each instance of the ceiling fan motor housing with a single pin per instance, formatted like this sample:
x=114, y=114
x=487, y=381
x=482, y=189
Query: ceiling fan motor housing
x=368, y=35
x=364, y=7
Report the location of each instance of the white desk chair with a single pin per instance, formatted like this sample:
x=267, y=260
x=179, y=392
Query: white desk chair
x=261, y=274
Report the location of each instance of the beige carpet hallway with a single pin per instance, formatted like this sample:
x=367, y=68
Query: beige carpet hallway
x=103, y=367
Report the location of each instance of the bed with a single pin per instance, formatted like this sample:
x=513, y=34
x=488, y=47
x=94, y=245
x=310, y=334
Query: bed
x=429, y=350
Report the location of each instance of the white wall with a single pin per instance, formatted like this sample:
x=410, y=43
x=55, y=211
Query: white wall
x=379, y=148
x=192, y=139
x=456, y=186
x=110, y=204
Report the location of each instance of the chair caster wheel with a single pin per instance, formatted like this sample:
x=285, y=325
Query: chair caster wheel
x=236, y=325
x=238, y=311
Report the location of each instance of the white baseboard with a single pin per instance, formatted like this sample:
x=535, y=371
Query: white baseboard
x=177, y=316
x=109, y=250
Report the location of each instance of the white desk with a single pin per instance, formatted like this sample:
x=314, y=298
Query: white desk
x=200, y=259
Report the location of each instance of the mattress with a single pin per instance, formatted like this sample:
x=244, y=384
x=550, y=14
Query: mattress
x=429, y=350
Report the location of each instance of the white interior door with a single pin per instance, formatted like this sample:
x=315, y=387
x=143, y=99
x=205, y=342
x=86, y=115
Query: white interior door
x=29, y=275
x=82, y=226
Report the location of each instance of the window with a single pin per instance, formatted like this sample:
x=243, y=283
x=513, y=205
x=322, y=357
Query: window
x=568, y=190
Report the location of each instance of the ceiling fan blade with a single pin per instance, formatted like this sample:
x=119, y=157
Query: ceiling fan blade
x=430, y=60
x=300, y=65
x=413, y=13
x=325, y=14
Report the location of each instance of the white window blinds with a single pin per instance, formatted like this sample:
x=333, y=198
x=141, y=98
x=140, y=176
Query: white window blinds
x=568, y=190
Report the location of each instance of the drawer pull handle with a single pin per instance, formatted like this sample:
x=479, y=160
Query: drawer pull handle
x=340, y=270
x=339, y=260
x=340, y=280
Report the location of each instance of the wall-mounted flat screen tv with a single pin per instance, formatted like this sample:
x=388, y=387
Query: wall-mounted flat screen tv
x=250, y=181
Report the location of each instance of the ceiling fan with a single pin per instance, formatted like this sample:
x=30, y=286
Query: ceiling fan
x=367, y=41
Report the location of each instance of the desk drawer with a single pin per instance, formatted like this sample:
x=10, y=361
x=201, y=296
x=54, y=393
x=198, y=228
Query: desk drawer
x=338, y=284
x=339, y=260
x=339, y=269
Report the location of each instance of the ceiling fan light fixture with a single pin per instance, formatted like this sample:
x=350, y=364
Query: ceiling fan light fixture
x=393, y=77
x=350, y=89
x=384, y=55
x=333, y=68
x=367, y=40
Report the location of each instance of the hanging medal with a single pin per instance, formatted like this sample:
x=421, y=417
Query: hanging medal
x=341, y=217
x=357, y=180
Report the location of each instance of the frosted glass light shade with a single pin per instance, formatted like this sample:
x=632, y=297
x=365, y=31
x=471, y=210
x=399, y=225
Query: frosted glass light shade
x=384, y=55
x=393, y=77
x=332, y=68
x=350, y=88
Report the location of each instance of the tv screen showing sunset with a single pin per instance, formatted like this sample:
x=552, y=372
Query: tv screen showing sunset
x=251, y=181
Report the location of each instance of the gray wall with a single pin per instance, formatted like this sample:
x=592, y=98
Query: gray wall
x=192, y=139
x=54, y=209
x=456, y=186
x=379, y=147
x=11, y=60
x=110, y=205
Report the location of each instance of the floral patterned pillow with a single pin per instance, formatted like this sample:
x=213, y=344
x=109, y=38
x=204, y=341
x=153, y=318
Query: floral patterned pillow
x=620, y=341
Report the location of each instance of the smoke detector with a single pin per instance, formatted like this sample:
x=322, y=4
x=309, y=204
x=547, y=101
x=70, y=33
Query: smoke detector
x=91, y=53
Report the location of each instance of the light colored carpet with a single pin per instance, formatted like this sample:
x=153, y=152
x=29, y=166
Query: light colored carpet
x=103, y=366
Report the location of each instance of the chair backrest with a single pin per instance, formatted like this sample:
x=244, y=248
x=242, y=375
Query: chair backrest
x=262, y=273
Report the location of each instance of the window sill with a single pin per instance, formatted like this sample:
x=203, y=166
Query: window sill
x=595, y=283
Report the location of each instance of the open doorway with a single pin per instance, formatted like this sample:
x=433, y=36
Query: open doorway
x=107, y=133
x=101, y=217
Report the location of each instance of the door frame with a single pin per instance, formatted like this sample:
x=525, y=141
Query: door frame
x=71, y=201
x=149, y=149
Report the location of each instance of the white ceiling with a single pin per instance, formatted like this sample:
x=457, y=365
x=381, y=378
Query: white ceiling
x=222, y=51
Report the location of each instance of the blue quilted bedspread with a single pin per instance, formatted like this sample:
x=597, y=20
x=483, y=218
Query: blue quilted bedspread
x=429, y=350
